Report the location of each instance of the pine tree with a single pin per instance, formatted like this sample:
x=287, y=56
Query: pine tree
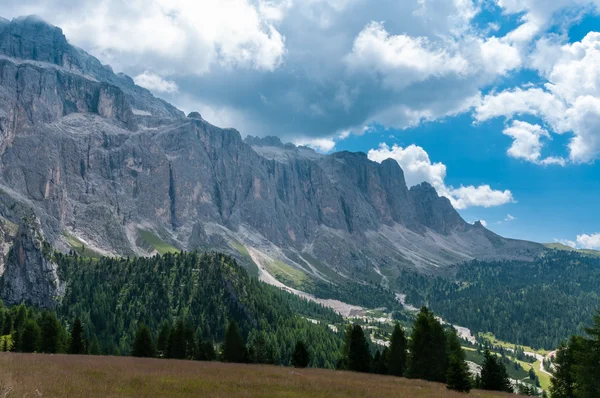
x=587, y=358
x=31, y=337
x=177, y=347
x=397, y=353
x=428, y=359
x=162, y=341
x=95, y=346
x=234, y=348
x=301, y=357
x=261, y=349
x=143, y=345
x=77, y=343
x=51, y=333
x=457, y=376
x=5, y=345
x=493, y=374
x=359, y=357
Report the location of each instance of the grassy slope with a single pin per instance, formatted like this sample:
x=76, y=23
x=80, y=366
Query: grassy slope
x=62, y=375
x=157, y=243
x=560, y=246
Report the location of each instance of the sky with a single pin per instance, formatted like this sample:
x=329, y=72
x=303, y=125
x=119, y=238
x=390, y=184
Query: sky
x=496, y=103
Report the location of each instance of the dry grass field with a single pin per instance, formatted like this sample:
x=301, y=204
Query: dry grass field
x=37, y=375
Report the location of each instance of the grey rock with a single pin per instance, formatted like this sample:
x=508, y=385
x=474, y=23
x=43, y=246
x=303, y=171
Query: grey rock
x=102, y=161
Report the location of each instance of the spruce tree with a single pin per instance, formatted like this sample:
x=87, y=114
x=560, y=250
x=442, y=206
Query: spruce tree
x=77, y=342
x=493, y=374
x=234, y=348
x=95, y=346
x=51, y=333
x=143, y=345
x=260, y=348
x=359, y=357
x=587, y=358
x=300, y=357
x=457, y=376
x=397, y=353
x=162, y=341
x=176, y=347
x=32, y=337
x=428, y=359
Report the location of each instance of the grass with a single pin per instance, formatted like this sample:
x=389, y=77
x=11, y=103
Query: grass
x=157, y=243
x=286, y=274
x=79, y=247
x=35, y=375
x=493, y=340
x=560, y=246
x=252, y=267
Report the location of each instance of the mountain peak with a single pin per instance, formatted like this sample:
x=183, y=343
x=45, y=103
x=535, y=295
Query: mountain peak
x=34, y=39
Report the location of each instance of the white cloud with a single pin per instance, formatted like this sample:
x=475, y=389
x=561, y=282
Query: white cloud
x=569, y=101
x=186, y=35
x=323, y=145
x=155, y=83
x=527, y=144
x=509, y=218
x=589, y=241
x=484, y=223
x=417, y=167
x=583, y=241
x=401, y=59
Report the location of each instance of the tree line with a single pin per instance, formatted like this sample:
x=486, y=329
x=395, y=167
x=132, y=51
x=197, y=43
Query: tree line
x=530, y=303
x=577, y=365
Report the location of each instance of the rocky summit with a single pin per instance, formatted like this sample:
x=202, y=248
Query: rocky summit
x=92, y=163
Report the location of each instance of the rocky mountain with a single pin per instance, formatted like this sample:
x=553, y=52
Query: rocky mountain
x=104, y=167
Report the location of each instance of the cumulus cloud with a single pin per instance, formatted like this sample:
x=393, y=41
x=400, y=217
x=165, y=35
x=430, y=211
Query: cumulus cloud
x=323, y=145
x=569, y=103
x=589, y=241
x=484, y=223
x=155, y=83
x=185, y=35
x=418, y=167
x=527, y=143
x=583, y=241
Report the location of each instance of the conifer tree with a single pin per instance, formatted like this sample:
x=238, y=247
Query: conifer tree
x=563, y=380
x=301, y=357
x=493, y=374
x=77, y=342
x=32, y=337
x=143, y=345
x=397, y=354
x=428, y=359
x=162, y=341
x=457, y=377
x=359, y=357
x=588, y=362
x=51, y=333
x=260, y=349
x=176, y=347
x=95, y=346
x=234, y=348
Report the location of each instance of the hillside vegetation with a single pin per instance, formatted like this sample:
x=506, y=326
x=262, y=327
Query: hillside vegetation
x=62, y=375
x=537, y=304
x=113, y=295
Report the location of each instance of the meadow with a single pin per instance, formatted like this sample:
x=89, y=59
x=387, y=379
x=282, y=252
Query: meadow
x=40, y=375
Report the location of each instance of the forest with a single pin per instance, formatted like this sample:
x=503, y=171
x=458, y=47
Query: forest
x=537, y=304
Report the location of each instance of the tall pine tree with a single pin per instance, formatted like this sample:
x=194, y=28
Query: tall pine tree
x=234, y=348
x=493, y=374
x=359, y=356
x=428, y=359
x=143, y=345
x=77, y=342
x=301, y=357
x=397, y=355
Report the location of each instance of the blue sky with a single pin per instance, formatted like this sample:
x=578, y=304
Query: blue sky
x=496, y=103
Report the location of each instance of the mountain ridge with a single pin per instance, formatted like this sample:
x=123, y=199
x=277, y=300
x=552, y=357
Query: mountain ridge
x=97, y=158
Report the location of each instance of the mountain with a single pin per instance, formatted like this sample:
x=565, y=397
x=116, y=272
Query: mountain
x=105, y=168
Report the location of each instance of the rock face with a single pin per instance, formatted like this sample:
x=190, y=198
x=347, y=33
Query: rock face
x=104, y=164
x=29, y=275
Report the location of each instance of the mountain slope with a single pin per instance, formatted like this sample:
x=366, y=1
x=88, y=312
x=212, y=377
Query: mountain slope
x=103, y=163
